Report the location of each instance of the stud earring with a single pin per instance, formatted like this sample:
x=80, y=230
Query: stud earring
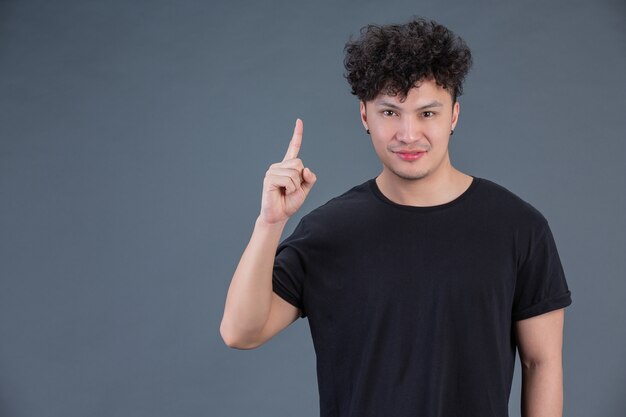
x=368, y=131
x=451, y=132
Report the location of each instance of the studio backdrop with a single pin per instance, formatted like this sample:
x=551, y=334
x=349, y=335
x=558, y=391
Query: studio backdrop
x=134, y=138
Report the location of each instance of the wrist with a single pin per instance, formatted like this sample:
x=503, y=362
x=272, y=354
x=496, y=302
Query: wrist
x=262, y=224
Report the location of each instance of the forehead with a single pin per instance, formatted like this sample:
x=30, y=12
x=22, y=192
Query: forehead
x=422, y=92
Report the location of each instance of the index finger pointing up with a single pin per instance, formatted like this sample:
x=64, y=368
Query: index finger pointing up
x=296, y=141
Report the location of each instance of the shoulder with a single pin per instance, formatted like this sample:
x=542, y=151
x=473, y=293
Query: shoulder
x=355, y=196
x=340, y=210
x=514, y=216
x=505, y=202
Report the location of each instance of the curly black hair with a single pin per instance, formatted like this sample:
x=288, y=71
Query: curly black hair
x=391, y=59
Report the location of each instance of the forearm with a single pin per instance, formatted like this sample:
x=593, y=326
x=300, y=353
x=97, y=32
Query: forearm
x=542, y=390
x=249, y=297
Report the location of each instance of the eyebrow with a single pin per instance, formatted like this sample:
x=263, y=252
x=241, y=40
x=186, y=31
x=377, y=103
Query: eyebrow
x=393, y=106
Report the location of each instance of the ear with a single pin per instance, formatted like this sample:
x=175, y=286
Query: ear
x=362, y=109
x=455, y=114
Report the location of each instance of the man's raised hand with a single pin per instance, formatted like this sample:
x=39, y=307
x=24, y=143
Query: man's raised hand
x=295, y=143
x=286, y=183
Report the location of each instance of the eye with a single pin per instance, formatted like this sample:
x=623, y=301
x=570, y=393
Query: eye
x=431, y=114
x=385, y=112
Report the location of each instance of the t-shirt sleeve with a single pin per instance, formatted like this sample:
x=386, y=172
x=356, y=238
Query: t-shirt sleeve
x=290, y=267
x=541, y=285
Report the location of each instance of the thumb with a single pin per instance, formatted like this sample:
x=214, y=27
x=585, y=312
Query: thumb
x=309, y=179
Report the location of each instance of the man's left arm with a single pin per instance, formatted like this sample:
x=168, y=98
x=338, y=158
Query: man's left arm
x=540, y=345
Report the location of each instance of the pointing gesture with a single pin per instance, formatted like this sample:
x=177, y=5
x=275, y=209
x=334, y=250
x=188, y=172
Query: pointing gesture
x=296, y=141
x=286, y=183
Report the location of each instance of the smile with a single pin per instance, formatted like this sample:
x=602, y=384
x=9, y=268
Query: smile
x=410, y=156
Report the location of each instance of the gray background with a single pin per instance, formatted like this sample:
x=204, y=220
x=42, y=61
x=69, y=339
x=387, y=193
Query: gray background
x=134, y=141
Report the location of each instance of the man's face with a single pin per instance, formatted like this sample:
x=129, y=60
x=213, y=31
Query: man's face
x=421, y=123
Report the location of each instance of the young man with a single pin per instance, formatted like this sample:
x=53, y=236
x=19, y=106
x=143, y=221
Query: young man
x=418, y=284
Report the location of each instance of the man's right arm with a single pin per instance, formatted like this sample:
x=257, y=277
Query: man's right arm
x=253, y=312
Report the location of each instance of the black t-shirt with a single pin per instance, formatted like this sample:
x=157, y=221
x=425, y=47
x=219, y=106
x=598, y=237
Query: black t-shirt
x=411, y=308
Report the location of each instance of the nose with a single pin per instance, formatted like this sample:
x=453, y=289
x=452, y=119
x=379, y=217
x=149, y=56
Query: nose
x=409, y=130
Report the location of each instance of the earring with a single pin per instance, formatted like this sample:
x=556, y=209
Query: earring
x=368, y=131
x=451, y=132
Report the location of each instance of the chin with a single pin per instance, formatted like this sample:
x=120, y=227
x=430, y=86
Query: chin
x=418, y=176
x=410, y=175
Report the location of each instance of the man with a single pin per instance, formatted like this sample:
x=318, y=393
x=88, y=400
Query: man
x=418, y=284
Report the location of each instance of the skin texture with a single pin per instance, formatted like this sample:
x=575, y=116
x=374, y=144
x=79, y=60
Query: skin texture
x=253, y=313
x=409, y=125
x=287, y=183
x=540, y=343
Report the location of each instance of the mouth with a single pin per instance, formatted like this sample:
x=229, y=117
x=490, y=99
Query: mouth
x=410, y=155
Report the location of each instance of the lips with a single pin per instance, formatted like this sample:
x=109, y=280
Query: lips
x=410, y=156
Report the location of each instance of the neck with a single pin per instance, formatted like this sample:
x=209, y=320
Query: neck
x=431, y=190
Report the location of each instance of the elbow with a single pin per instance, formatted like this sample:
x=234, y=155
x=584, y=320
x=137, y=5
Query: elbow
x=233, y=342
